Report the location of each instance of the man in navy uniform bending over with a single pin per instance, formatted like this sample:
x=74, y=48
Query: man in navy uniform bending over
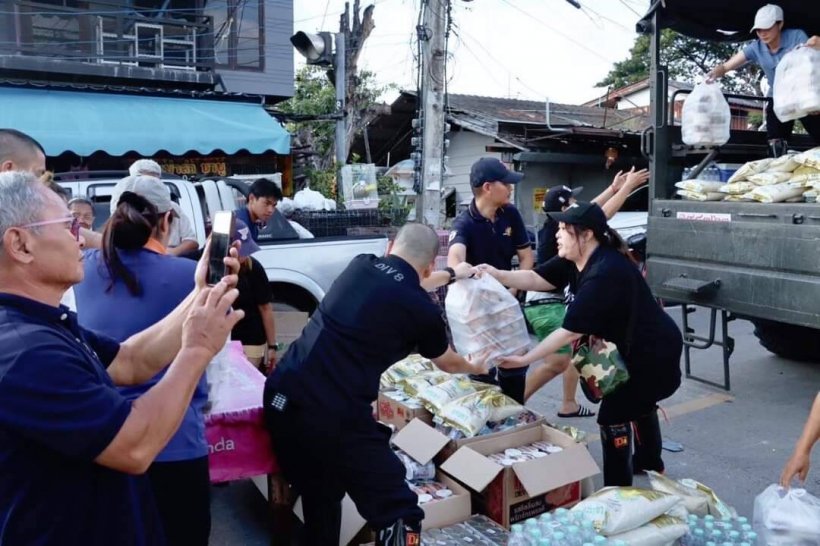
x=318, y=400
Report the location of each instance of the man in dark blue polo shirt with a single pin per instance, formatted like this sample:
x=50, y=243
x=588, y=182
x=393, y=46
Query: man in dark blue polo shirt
x=71, y=447
x=260, y=212
x=492, y=232
x=318, y=399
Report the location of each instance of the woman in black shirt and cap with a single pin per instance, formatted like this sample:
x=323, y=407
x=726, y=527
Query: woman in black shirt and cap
x=610, y=300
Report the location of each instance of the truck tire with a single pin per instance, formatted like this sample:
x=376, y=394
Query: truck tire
x=789, y=341
x=288, y=297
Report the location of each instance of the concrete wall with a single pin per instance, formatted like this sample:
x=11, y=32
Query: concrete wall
x=277, y=77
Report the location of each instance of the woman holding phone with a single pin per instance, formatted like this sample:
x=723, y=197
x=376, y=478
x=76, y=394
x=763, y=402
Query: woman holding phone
x=130, y=284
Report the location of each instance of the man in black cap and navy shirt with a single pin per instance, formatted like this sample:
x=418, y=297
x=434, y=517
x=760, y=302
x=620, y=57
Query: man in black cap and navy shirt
x=318, y=399
x=492, y=232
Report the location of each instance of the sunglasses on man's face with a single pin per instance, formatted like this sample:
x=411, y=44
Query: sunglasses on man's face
x=74, y=227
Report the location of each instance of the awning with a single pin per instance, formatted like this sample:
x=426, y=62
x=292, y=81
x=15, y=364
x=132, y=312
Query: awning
x=86, y=122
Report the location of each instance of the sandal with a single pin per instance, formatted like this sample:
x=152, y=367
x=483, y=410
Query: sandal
x=582, y=412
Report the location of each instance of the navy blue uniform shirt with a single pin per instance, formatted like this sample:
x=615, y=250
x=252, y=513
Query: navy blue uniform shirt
x=244, y=214
x=59, y=410
x=489, y=242
x=375, y=314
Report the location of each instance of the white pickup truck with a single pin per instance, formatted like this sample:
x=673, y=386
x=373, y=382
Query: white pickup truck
x=300, y=270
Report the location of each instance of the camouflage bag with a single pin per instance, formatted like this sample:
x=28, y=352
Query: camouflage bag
x=601, y=366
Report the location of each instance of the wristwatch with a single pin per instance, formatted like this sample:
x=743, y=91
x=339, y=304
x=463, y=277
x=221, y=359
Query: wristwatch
x=452, y=273
x=276, y=346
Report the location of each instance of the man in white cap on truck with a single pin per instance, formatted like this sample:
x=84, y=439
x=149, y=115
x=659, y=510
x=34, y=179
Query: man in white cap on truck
x=773, y=42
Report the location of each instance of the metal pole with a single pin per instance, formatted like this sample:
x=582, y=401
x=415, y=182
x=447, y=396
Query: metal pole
x=432, y=100
x=341, y=90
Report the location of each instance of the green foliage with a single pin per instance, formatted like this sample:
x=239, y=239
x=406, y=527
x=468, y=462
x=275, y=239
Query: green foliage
x=687, y=58
x=324, y=181
x=392, y=206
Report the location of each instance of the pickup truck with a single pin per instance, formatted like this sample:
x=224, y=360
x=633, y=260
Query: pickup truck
x=746, y=260
x=300, y=270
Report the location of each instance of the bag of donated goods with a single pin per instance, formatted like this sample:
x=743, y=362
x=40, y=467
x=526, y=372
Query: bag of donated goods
x=485, y=319
x=706, y=116
x=796, y=91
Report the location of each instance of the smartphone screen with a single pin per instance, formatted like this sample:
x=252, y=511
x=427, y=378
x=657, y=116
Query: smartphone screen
x=221, y=233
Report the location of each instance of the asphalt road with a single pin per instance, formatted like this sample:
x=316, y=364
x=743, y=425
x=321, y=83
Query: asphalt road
x=734, y=442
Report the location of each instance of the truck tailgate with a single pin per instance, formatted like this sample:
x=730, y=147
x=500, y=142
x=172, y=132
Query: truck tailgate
x=766, y=257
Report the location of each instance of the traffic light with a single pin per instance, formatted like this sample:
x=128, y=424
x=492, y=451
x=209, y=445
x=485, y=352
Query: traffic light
x=316, y=48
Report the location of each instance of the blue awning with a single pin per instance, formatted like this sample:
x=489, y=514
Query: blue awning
x=85, y=122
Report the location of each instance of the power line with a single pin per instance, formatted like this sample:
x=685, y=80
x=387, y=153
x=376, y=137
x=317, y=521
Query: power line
x=630, y=8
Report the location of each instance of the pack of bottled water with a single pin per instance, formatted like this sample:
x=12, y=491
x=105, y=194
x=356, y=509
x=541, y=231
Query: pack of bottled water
x=561, y=527
x=711, y=531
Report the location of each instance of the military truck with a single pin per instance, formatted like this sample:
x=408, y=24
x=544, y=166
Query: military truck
x=748, y=260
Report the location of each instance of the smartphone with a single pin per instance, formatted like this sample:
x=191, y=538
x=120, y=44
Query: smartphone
x=221, y=234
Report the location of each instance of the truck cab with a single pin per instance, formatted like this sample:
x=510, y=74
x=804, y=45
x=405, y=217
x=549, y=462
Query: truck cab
x=749, y=260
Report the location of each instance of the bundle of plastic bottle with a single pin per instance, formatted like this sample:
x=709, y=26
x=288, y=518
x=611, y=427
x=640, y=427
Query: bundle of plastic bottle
x=558, y=528
x=711, y=531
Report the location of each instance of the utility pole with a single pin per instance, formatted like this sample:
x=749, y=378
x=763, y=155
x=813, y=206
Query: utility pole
x=341, y=93
x=432, y=31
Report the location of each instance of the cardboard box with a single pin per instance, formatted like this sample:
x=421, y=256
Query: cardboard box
x=444, y=512
x=399, y=413
x=289, y=326
x=513, y=494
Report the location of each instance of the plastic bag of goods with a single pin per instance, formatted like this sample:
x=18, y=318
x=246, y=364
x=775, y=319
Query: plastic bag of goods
x=796, y=89
x=810, y=196
x=470, y=413
x=749, y=168
x=660, y=531
x=783, y=164
x=739, y=198
x=404, y=368
x=787, y=513
x=615, y=510
x=777, y=193
x=308, y=199
x=806, y=170
x=417, y=383
x=700, y=186
x=809, y=158
x=737, y=188
x=485, y=319
x=435, y=397
x=698, y=196
x=695, y=501
x=768, y=179
x=705, y=119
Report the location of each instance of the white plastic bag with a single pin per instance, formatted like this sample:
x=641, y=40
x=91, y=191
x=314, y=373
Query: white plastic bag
x=794, y=511
x=706, y=116
x=485, y=319
x=308, y=199
x=796, y=90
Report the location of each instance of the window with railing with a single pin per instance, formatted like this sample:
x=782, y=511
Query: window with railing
x=238, y=33
x=108, y=32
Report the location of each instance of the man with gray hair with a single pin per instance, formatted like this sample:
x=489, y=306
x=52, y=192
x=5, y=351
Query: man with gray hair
x=182, y=239
x=73, y=448
x=20, y=152
x=318, y=399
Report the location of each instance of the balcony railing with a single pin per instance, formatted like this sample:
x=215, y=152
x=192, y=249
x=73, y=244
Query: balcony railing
x=108, y=32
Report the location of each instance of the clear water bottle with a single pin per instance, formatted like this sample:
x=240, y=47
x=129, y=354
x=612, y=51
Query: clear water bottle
x=698, y=537
x=533, y=536
x=517, y=537
x=599, y=541
x=559, y=538
x=574, y=536
x=751, y=536
x=544, y=542
x=588, y=531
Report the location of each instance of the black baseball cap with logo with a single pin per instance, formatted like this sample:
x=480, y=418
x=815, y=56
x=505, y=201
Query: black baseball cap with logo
x=490, y=169
x=559, y=197
x=586, y=215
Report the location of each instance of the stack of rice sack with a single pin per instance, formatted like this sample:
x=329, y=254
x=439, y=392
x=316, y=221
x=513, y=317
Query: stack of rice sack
x=797, y=84
x=700, y=190
x=790, y=178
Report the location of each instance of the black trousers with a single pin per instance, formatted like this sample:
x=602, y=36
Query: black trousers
x=776, y=129
x=325, y=454
x=182, y=490
x=512, y=381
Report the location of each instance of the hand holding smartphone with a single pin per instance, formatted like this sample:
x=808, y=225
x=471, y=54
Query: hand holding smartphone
x=221, y=235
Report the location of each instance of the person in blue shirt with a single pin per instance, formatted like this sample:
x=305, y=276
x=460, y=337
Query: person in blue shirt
x=318, y=399
x=611, y=300
x=773, y=42
x=72, y=447
x=492, y=231
x=263, y=197
x=130, y=284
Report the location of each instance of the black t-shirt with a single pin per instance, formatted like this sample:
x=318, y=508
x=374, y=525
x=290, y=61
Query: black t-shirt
x=254, y=290
x=487, y=241
x=375, y=314
x=604, y=297
x=547, y=245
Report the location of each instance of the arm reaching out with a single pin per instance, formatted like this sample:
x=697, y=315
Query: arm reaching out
x=798, y=464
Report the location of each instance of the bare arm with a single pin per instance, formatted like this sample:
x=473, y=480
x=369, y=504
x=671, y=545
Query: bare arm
x=456, y=255
x=155, y=416
x=266, y=311
x=526, y=260
x=631, y=181
x=800, y=461
x=735, y=61
x=452, y=362
x=185, y=247
x=522, y=280
x=814, y=42
x=92, y=238
x=552, y=343
x=441, y=278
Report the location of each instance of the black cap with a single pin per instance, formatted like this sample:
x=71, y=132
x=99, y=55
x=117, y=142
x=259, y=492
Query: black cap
x=559, y=197
x=490, y=169
x=586, y=215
